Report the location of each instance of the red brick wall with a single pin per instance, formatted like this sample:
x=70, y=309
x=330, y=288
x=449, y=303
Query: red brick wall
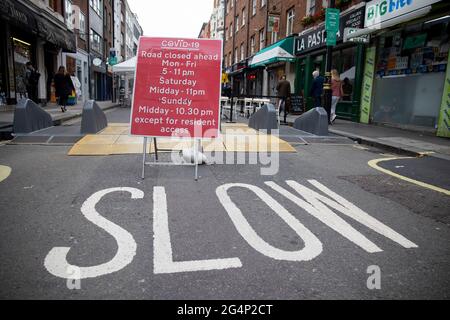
x=258, y=21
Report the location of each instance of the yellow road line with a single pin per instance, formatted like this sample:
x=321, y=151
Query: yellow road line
x=374, y=164
x=4, y=172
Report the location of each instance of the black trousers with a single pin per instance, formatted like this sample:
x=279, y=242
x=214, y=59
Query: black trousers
x=62, y=100
x=283, y=108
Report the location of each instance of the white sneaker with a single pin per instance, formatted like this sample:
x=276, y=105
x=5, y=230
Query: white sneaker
x=333, y=118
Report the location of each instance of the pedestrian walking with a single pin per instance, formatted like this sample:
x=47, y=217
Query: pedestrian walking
x=336, y=91
x=63, y=87
x=317, y=89
x=284, y=94
x=31, y=81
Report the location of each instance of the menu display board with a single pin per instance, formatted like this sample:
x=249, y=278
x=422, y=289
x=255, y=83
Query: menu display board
x=177, y=88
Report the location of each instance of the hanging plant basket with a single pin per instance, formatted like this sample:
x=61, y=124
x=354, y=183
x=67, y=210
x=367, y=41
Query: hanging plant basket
x=307, y=21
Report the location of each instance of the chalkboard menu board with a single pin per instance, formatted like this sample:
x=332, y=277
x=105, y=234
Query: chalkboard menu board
x=297, y=105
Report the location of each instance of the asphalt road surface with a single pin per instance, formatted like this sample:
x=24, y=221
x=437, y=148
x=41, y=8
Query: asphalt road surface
x=325, y=226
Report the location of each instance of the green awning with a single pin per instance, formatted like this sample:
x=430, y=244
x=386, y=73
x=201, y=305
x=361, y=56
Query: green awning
x=282, y=50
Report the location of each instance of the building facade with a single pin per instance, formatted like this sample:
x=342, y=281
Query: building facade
x=85, y=36
x=37, y=31
x=403, y=47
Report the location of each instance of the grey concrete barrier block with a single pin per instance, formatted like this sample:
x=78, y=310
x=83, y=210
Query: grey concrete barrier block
x=314, y=121
x=264, y=119
x=29, y=117
x=93, y=118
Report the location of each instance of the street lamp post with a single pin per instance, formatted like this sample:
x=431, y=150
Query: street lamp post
x=327, y=84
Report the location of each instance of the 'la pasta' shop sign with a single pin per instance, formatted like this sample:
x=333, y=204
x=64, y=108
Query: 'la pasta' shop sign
x=177, y=88
x=315, y=38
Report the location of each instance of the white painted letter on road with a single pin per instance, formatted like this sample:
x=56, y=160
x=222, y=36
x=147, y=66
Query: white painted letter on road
x=313, y=246
x=162, y=248
x=56, y=260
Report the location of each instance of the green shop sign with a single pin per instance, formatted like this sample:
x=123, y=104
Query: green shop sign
x=379, y=11
x=332, y=20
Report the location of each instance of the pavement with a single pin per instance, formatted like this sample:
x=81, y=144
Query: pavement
x=306, y=231
x=75, y=111
x=412, y=143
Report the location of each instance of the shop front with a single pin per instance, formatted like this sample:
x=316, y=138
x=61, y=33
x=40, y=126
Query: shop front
x=410, y=70
x=348, y=60
x=274, y=61
x=25, y=36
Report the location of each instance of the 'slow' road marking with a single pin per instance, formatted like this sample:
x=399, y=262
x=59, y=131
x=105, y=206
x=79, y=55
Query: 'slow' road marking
x=374, y=164
x=4, y=172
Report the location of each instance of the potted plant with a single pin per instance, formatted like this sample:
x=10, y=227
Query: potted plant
x=320, y=15
x=307, y=20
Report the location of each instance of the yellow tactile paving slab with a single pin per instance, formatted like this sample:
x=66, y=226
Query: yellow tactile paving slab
x=99, y=139
x=236, y=137
x=256, y=143
x=115, y=130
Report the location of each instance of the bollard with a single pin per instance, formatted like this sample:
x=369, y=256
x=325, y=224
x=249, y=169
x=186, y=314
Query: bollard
x=93, y=118
x=264, y=119
x=314, y=121
x=29, y=117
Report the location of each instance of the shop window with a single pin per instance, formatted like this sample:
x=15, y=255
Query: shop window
x=410, y=75
x=22, y=54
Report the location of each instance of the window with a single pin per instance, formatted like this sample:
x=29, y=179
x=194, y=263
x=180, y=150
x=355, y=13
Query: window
x=263, y=3
x=82, y=26
x=253, y=7
x=68, y=14
x=237, y=24
x=242, y=52
x=97, y=6
x=252, y=45
x=235, y=55
x=310, y=7
x=52, y=4
x=226, y=34
x=243, y=17
x=262, y=38
x=290, y=21
x=274, y=37
x=231, y=30
x=230, y=62
x=232, y=3
x=96, y=41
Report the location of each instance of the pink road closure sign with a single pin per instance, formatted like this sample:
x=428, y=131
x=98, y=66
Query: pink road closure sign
x=177, y=88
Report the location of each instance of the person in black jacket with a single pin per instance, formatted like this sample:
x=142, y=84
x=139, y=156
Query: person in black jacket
x=284, y=94
x=317, y=89
x=63, y=87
